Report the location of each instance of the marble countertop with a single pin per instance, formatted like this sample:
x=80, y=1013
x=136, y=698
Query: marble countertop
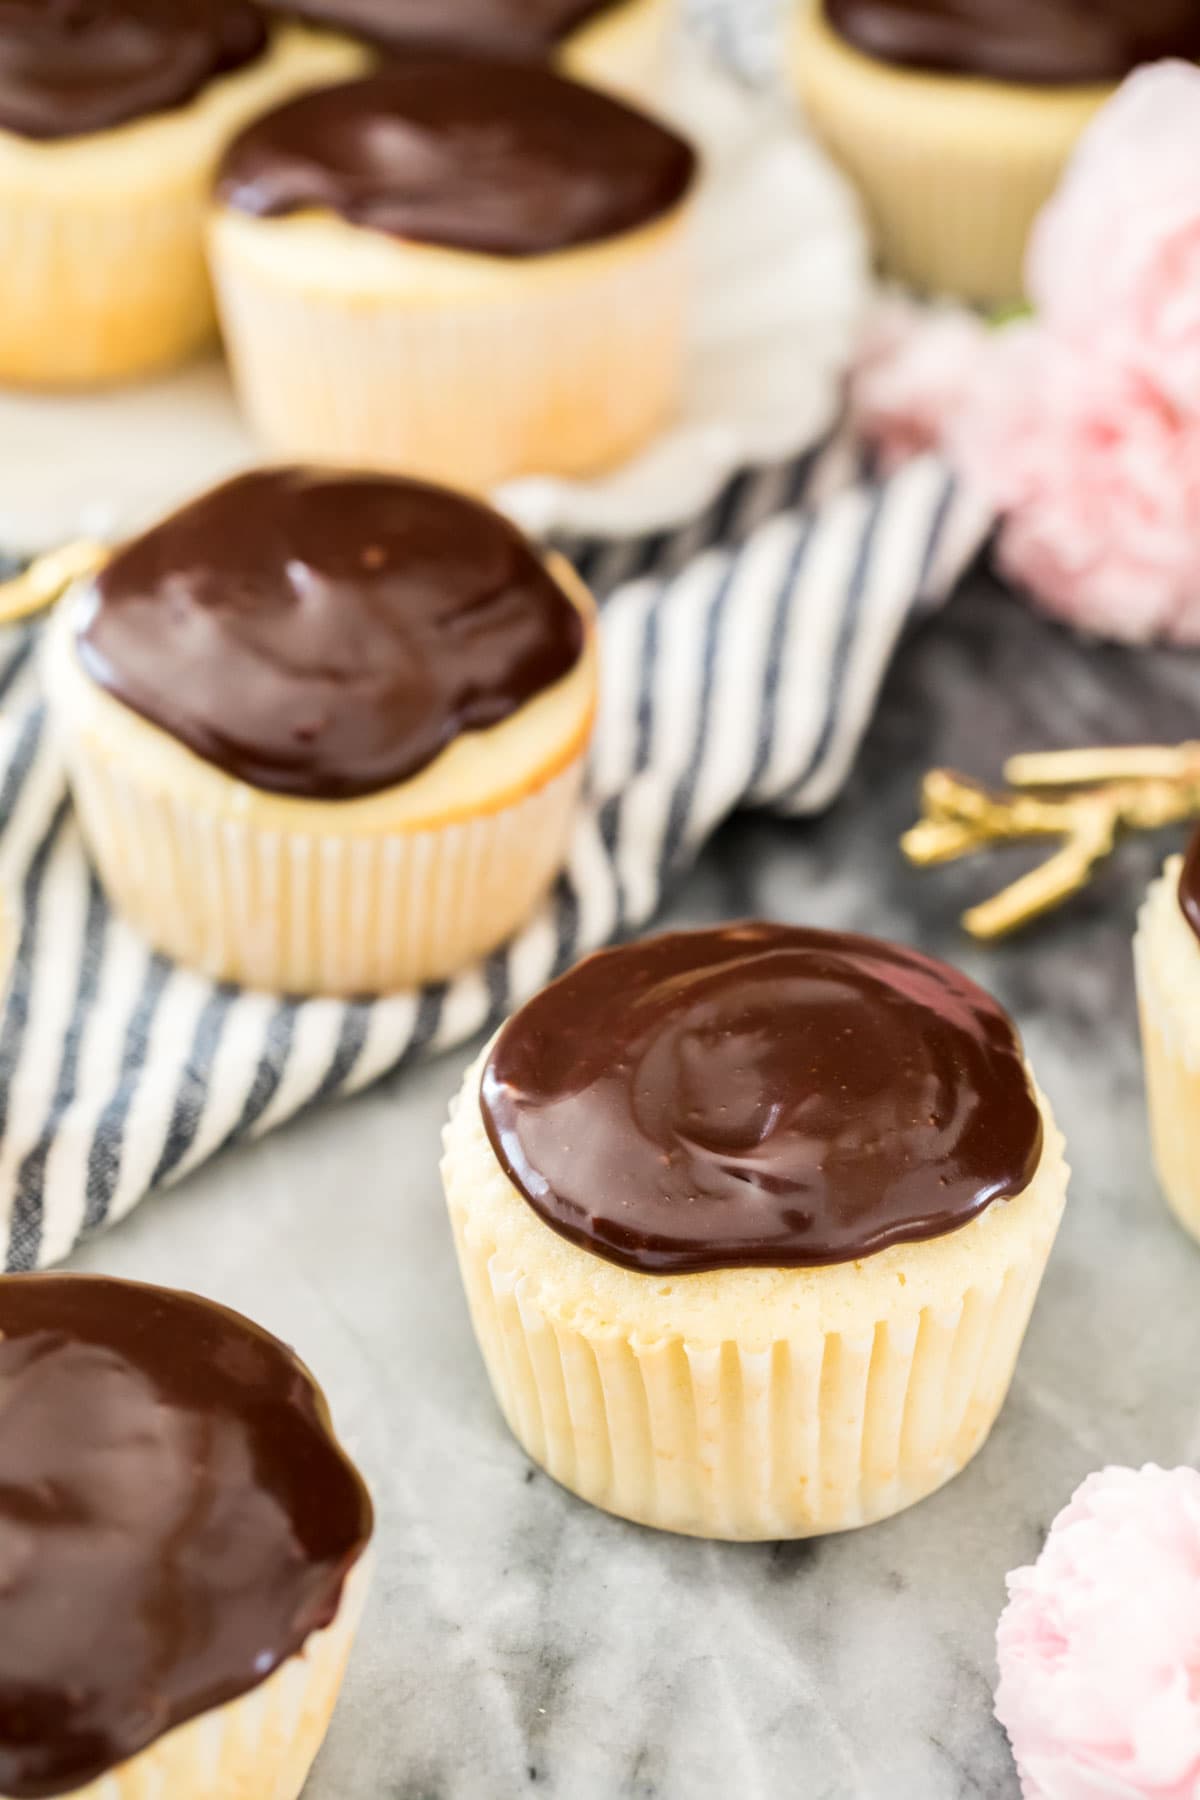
x=519, y=1643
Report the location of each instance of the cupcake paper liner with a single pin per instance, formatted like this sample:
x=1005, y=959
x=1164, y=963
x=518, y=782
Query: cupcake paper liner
x=259, y=1746
x=813, y=1431
x=319, y=911
x=102, y=289
x=1167, y=960
x=953, y=170
x=564, y=369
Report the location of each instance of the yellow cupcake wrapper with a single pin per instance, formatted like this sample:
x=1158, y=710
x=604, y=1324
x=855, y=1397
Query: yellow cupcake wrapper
x=90, y=296
x=319, y=912
x=813, y=1431
x=103, y=275
x=1167, y=962
x=953, y=170
x=464, y=369
x=258, y=1747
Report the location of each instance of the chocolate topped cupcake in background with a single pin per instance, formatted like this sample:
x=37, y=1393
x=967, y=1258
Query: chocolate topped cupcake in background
x=616, y=44
x=461, y=268
x=1036, y=43
x=325, y=733
x=1167, y=958
x=182, y=1542
x=112, y=116
x=75, y=69
x=751, y=1221
x=957, y=117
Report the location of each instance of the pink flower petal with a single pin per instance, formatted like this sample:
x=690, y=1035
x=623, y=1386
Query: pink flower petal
x=1099, y=1645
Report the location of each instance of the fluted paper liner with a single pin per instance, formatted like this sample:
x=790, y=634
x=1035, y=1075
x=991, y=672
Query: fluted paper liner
x=473, y=371
x=319, y=912
x=953, y=170
x=259, y=1746
x=102, y=294
x=1167, y=959
x=725, y=1429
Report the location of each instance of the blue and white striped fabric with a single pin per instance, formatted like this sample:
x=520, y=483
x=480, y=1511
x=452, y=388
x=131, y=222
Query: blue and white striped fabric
x=741, y=663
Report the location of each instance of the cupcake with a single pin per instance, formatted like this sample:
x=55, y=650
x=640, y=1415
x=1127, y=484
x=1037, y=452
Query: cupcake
x=751, y=1221
x=183, y=1549
x=112, y=116
x=956, y=117
x=459, y=268
x=619, y=44
x=1167, y=956
x=325, y=734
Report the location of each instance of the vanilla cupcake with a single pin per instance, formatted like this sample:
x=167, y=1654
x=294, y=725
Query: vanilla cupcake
x=751, y=1221
x=460, y=268
x=617, y=44
x=112, y=116
x=1167, y=956
x=325, y=734
x=956, y=117
x=183, y=1549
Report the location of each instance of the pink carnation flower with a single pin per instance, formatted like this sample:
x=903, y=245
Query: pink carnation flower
x=915, y=369
x=1096, y=476
x=1099, y=1646
x=1115, y=256
x=1080, y=429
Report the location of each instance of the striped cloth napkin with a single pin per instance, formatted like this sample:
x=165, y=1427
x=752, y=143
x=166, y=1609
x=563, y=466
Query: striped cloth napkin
x=741, y=663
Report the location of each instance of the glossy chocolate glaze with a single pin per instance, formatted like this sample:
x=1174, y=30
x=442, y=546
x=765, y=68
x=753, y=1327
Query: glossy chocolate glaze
x=1189, y=885
x=175, y=1519
x=759, y=1095
x=72, y=67
x=327, y=635
x=502, y=27
x=1039, y=42
x=508, y=159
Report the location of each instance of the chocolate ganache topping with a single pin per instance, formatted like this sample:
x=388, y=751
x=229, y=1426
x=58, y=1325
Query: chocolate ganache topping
x=759, y=1095
x=72, y=67
x=502, y=27
x=326, y=636
x=175, y=1519
x=1036, y=42
x=507, y=159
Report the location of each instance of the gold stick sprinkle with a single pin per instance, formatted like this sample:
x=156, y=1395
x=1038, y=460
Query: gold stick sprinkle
x=47, y=578
x=1098, y=795
x=1079, y=768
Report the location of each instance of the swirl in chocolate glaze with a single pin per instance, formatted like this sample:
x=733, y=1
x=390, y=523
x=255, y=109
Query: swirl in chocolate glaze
x=323, y=635
x=502, y=27
x=69, y=68
x=1189, y=885
x=1062, y=43
x=759, y=1095
x=176, y=1519
x=508, y=159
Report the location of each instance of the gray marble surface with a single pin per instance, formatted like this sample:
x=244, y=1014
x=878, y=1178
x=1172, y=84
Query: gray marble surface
x=519, y=1643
